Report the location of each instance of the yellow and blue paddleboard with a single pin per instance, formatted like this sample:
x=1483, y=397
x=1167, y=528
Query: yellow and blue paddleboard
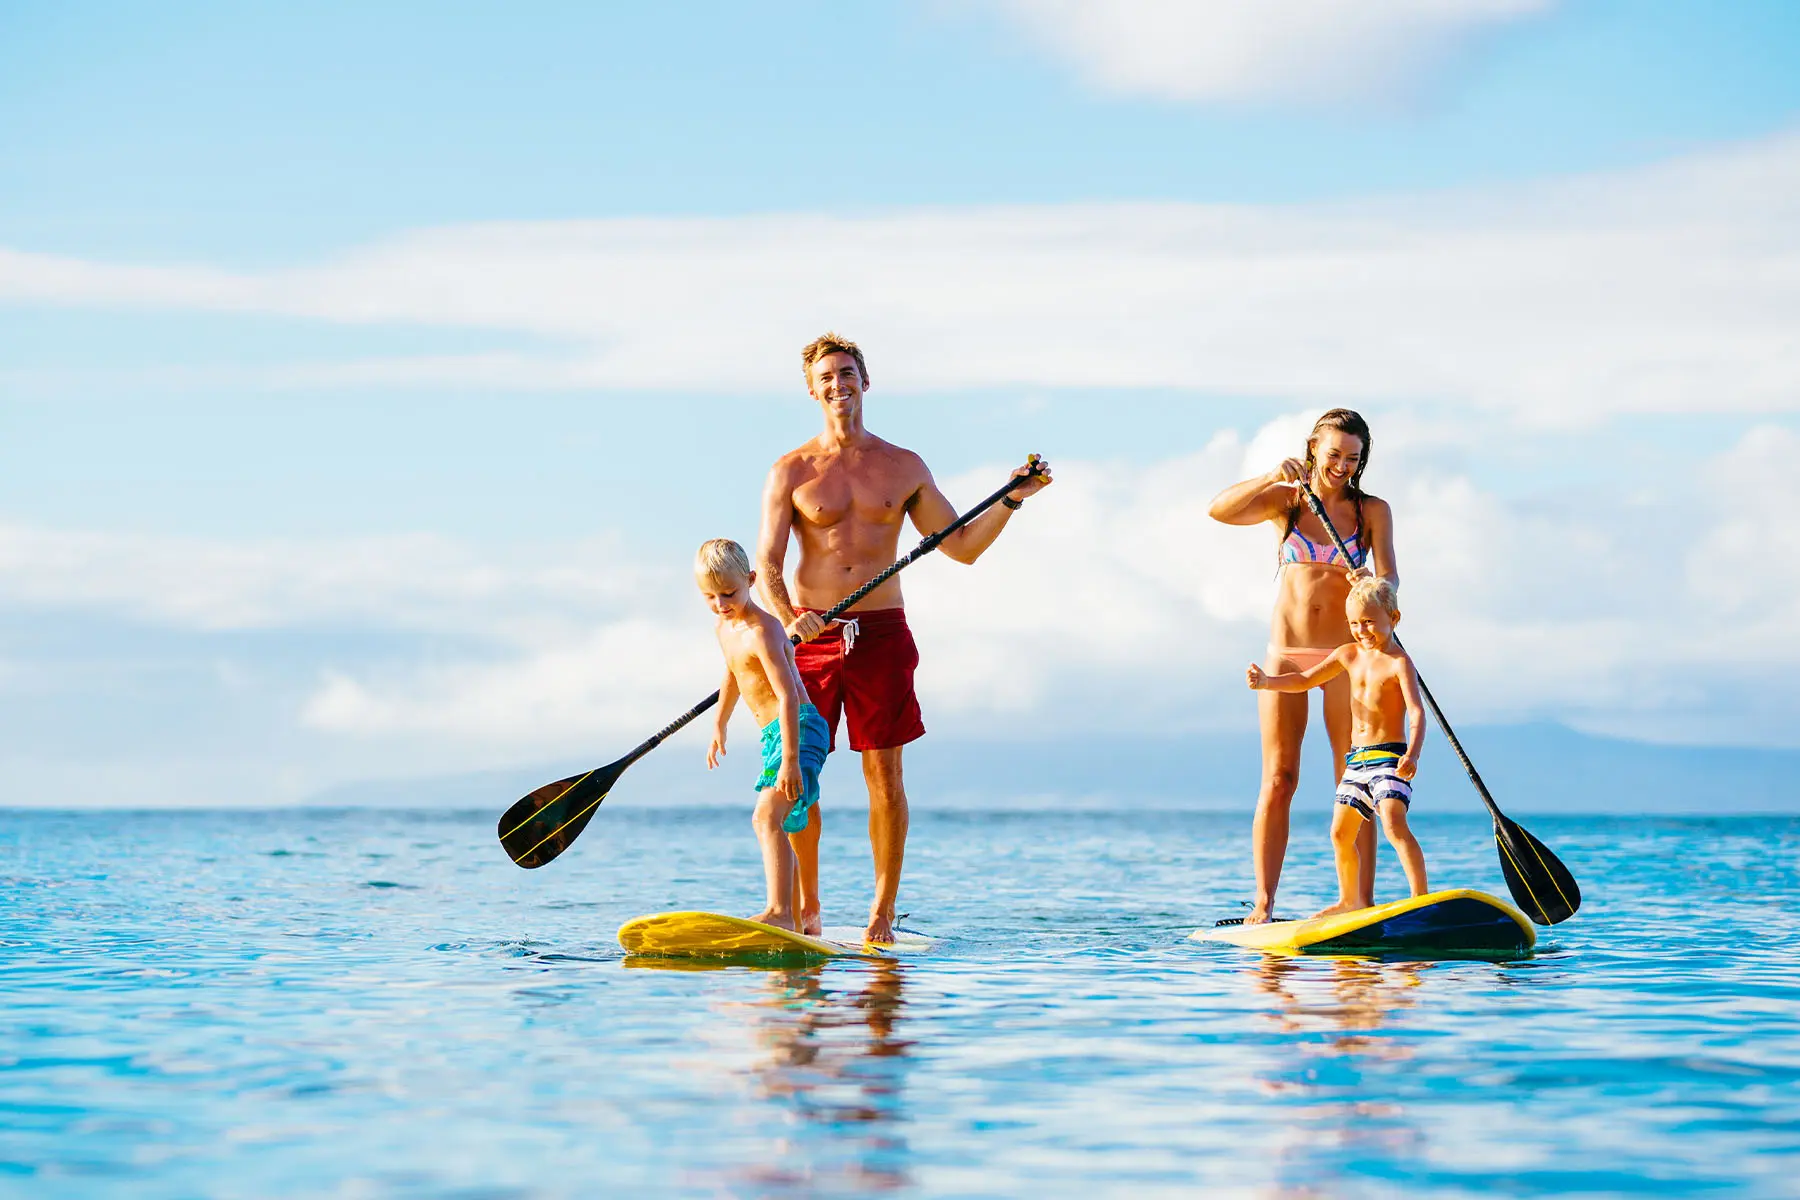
x=1461, y=921
x=717, y=936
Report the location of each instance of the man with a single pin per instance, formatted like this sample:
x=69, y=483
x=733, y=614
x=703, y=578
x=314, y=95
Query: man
x=843, y=495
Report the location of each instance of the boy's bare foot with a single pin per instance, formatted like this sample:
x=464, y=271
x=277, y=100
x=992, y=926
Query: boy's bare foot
x=1342, y=906
x=880, y=931
x=1259, y=915
x=768, y=916
x=811, y=924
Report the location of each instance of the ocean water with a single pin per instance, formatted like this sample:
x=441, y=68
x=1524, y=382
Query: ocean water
x=368, y=1003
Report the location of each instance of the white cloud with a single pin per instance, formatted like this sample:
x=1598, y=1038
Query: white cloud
x=627, y=677
x=1112, y=603
x=416, y=582
x=1120, y=604
x=1662, y=290
x=1258, y=50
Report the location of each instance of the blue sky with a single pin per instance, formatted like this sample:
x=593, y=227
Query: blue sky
x=367, y=372
x=258, y=132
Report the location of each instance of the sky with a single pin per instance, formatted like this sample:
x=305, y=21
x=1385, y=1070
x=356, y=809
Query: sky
x=369, y=372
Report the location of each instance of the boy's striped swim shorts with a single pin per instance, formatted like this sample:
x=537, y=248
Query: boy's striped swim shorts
x=1369, y=778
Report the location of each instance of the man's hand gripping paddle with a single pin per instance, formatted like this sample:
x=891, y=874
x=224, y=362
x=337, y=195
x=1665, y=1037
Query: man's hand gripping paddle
x=544, y=824
x=1539, y=882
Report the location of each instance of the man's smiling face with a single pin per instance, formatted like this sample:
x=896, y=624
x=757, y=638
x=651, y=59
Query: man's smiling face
x=836, y=382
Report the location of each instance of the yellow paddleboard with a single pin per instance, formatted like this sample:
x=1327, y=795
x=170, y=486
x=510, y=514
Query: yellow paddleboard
x=714, y=935
x=1459, y=921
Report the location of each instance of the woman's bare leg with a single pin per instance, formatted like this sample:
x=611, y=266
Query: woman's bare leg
x=1283, y=719
x=1337, y=725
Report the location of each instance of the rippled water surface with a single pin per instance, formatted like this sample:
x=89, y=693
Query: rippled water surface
x=377, y=1003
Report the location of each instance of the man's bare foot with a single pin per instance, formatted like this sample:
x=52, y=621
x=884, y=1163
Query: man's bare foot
x=1342, y=906
x=768, y=916
x=1259, y=914
x=811, y=924
x=880, y=931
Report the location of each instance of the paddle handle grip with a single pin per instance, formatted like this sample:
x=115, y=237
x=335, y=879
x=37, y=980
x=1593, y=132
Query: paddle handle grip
x=928, y=544
x=1318, y=508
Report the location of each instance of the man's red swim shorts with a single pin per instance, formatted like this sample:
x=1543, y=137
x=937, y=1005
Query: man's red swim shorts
x=868, y=678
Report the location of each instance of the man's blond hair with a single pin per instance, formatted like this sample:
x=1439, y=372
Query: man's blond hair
x=1373, y=589
x=831, y=343
x=720, y=560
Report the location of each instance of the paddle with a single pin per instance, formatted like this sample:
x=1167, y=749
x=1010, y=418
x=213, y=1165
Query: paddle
x=544, y=823
x=1539, y=882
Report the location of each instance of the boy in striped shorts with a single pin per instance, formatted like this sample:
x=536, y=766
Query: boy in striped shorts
x=1387, y=714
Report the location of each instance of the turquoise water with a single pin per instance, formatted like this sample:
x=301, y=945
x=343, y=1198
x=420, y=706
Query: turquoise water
x=378, y=1003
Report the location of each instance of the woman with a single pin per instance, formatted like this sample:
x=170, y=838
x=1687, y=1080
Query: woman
x=1314, y=581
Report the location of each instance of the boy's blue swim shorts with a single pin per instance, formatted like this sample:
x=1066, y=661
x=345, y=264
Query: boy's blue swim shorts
x=815, y=743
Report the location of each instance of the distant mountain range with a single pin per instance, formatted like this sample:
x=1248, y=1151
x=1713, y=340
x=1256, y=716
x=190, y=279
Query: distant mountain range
x=1528, y=768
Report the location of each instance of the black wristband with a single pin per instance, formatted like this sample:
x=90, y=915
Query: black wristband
x=1015, y=505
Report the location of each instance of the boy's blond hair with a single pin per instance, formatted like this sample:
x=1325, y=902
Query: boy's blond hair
x=831, y=343
x=721, y=559
x=1373, y=589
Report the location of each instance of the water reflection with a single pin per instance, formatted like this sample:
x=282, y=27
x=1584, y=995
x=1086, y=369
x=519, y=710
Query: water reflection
x=1327, y=1080
x=1365, y=993
x=827, y=1054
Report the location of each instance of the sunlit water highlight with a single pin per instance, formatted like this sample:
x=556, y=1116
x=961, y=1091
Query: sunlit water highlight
x=378, y=1003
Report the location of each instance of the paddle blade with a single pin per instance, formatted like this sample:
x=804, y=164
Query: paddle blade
x=1540, y=884
x=543, y=824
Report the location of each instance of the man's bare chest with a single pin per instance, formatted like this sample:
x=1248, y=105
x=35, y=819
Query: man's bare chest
x=838, y=496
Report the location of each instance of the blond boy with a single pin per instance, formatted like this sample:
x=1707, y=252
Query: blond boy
x=759, y=666
x=1387, y=718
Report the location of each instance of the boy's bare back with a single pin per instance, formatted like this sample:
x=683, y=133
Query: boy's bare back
x=754, y=645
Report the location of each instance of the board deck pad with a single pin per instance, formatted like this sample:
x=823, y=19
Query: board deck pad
x=717, y=936
x=1460, y=921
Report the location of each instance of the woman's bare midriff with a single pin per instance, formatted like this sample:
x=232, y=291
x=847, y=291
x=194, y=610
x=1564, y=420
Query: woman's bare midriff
x=1309, y=608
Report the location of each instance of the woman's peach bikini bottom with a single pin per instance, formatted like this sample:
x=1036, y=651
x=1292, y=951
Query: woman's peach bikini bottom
x=1304, y=658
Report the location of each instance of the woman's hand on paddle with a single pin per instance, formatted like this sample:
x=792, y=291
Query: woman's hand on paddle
x=716, y=750
x=1255, y=678
x=1291, y=474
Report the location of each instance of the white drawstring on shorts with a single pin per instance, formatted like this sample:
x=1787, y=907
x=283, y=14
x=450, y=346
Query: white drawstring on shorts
x=851, y=629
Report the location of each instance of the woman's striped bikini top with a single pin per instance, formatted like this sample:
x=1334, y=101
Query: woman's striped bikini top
x=1297, y=547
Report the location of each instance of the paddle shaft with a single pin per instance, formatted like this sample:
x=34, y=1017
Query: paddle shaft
x=925, y=546
x=1313, y=502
